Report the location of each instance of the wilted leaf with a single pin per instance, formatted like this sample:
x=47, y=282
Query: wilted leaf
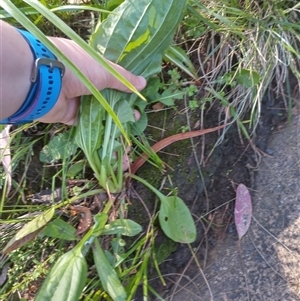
x=242, y=210
x=3, y=275
x=66, y=279
x=5, y=155
x=29, y=231
x=60, y=229
x=176, y=220
x=125, y=227
x=59, y=147
x=107, y=274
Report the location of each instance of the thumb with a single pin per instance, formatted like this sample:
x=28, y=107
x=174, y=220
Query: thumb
x=139, y=82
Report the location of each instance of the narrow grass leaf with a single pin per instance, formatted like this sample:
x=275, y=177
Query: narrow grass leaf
x=107, y=274
x=242, y=210
x=29, y=231
x=66, y=279
x=180, y=59
x=124, y=227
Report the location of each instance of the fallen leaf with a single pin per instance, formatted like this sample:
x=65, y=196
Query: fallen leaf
x=29, y=231
x=242, y=210
x=158, y=107
x=5, y=155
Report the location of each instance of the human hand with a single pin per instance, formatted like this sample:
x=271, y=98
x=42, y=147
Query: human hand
x=66, y=107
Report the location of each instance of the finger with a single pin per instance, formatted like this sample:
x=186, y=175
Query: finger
x=137, y=115
x=138, y=82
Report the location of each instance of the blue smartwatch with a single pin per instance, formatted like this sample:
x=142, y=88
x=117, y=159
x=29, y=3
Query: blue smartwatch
x=46, y=83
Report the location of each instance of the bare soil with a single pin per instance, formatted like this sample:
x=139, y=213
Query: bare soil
x=206, y=182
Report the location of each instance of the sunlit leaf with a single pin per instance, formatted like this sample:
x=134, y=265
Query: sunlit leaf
x=29, y=231
x=66, y=279
x=107, y=274
x=242, y=210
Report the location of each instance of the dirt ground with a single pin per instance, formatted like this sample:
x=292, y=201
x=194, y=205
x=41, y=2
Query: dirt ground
x=218, y=272
x=266, y=267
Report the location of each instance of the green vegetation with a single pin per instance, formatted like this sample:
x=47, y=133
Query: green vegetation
x=230, y=51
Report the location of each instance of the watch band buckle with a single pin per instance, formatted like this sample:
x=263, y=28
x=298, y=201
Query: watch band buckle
x=52, y=63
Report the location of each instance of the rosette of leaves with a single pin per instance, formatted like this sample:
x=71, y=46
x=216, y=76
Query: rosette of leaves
x=134, y=36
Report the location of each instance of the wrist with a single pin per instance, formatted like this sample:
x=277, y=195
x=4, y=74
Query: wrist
x=46, y=82
x=16, y=62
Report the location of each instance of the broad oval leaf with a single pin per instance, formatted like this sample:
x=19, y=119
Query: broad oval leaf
x=124, y=227
x=29, y=231
x=60, y=229
x=66, y=279
x=107, y=274
x=59, y=147
x=242, y=210
x=176, y=220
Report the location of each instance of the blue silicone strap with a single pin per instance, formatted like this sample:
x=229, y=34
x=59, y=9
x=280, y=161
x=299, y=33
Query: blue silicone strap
x=46, y=84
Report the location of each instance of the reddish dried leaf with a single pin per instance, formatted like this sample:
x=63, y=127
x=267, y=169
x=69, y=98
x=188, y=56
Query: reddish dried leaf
x=242, y=210
x=85, y=221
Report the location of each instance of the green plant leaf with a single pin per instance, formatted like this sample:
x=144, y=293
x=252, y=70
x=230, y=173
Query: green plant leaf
x=176, y=220
x=168, y=97
x=174, y=216
x=75, y=169
x=246, y=77
x=179, y=58
x=29, y=231
x=100, y=221
x=61, y=146
x=107, y=274
x=125, y=227
x=66, y=279
x=60, y=229
x=140, y=50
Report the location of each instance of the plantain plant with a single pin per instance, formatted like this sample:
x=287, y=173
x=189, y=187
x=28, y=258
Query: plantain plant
x=135, y=36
